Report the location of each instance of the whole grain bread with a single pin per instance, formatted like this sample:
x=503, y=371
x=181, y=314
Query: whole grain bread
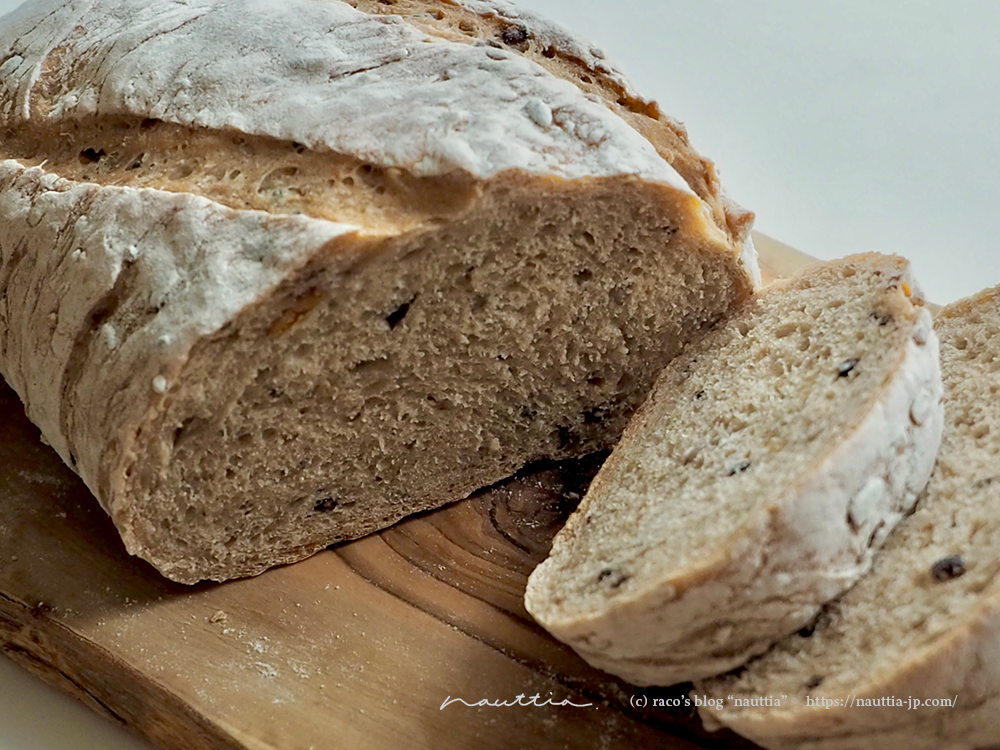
x=909, y=659
x=275, y=275
x=770, y=461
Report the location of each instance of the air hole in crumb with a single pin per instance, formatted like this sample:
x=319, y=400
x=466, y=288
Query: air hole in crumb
x=614, y=578
x=92, y=156
x=325, y=504
x=549, y=52
x=586, y=79
x=808, y=630
x=585, y=275
x=396, y=316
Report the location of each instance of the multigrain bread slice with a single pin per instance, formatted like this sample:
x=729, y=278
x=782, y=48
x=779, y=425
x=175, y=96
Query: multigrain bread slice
x=770, y=461
x=275, y=275
x=924, y=624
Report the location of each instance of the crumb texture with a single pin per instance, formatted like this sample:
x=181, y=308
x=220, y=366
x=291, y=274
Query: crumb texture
x=925, y=622
x=420, y=375
x=771, y=459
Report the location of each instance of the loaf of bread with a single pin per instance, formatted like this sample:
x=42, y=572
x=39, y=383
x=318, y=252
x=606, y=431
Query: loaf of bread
x=769, y=463
x=275, y=275
x=909, y=659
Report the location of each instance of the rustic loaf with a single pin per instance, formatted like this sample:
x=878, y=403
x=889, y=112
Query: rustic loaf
x=770, y=461
x=276, y=275
x=924, y=624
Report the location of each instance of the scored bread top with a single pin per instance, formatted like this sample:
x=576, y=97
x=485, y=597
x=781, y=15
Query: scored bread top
x=477, y=87
x=322, y=74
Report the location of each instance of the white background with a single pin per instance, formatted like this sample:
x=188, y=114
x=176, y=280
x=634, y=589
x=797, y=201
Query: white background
x=849, y=126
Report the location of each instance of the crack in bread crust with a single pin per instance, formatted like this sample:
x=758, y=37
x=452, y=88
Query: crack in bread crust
x=241, y=171
x=451, y=20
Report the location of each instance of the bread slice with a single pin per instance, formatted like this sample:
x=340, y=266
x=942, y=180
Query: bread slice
x=909, y=659
x=275, y=275
x=770, y=461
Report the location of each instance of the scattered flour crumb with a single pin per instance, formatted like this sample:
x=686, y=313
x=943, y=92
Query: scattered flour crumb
x=266, y=670
x=539, y=112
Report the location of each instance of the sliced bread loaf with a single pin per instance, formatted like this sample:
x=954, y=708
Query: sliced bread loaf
x=274, y=275
x=909, y=659
x=770, y=461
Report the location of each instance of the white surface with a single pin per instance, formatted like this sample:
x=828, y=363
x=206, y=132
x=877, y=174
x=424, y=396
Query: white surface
x=846, y=126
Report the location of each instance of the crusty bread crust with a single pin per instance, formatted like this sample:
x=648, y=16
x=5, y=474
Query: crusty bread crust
x=786, y=558
x=125, y=256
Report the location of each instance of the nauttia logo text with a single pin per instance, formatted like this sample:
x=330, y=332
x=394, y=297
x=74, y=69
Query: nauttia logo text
x=520, y=699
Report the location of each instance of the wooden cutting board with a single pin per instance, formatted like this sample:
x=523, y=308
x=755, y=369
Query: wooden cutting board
x=356, y=647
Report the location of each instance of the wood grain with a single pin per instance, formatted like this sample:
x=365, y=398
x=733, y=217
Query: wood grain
x=357, y=647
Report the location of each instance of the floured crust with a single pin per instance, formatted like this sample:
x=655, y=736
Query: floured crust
x=779, y=567
x=325, y=75
x=503, y=25
x=959, y=662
